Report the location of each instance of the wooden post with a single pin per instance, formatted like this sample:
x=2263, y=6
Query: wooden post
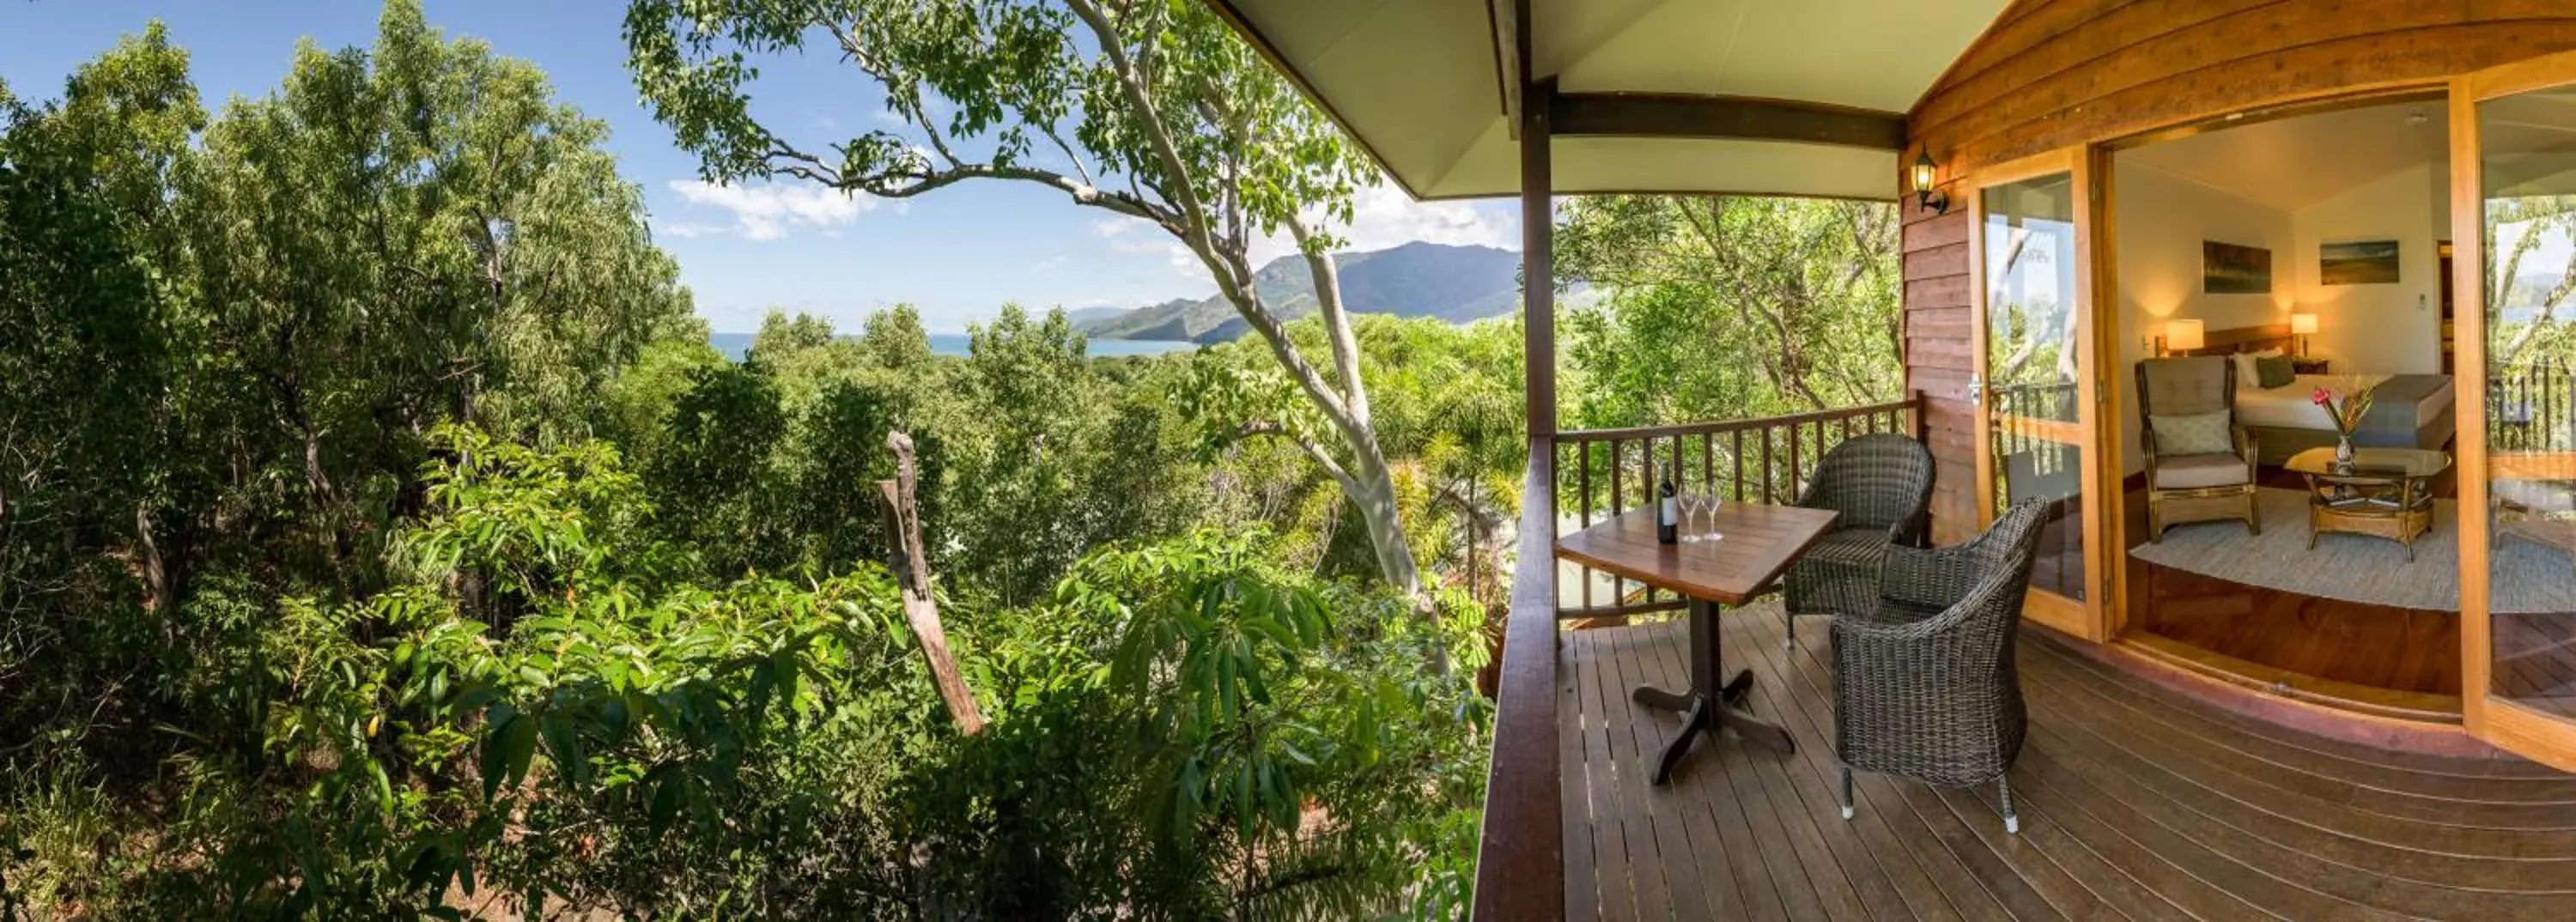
x=1538, y=260
x=912, y=571
x=1520, y=861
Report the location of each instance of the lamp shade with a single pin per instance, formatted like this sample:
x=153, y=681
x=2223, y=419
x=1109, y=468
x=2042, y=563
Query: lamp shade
x=2303, y=324
x=2182, y=335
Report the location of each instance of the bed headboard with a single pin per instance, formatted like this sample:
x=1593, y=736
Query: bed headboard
x=2245, y=339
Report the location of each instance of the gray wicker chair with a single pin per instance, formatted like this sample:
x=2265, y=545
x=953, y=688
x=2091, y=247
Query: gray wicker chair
x=1924, y=686
x=1882, y=485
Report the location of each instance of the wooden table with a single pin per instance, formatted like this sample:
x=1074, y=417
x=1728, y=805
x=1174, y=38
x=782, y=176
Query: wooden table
x=1759, y=543
x=2387, y=492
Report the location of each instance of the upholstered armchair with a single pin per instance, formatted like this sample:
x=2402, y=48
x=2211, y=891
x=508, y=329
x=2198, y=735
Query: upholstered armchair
x=2200, y=461
x=1924, y=684
x=1882, y=485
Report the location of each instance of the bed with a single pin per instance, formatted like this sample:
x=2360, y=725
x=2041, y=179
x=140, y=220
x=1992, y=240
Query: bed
x=2407, y=411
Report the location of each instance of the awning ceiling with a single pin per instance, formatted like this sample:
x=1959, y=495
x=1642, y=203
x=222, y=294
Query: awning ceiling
x=1421, y=83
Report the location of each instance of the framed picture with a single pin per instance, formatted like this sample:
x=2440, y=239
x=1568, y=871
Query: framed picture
x=2361, y=262
x=2228, y=269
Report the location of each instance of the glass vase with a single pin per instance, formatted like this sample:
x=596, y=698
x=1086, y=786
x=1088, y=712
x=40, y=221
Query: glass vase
x=2343, y=453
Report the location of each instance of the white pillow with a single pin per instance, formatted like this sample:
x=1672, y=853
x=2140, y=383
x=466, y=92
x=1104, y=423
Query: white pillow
x=2245, y=371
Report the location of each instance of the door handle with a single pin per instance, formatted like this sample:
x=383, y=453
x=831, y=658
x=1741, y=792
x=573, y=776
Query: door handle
x=1976, y=388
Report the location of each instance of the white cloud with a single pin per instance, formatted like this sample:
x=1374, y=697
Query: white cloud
x=1383, y=216
x=1138, y=237
x=766, y=212
x=675, y=227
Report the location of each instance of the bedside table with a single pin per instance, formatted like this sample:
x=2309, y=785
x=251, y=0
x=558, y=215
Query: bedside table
x=2311, y=366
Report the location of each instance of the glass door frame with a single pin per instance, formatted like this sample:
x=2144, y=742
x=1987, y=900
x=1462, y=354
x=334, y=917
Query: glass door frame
x=2500, y=721
x=2085, y=618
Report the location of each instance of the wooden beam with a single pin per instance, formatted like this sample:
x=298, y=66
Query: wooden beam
x=1666, y=115
x=1508, y=21
x=1520, y=857
x=1538, y=259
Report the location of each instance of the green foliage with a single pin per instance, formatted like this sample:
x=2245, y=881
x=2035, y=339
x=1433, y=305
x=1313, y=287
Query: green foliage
x=1728, y=307
x=1155, y=111
x=1449, y=408
x=1195, y=733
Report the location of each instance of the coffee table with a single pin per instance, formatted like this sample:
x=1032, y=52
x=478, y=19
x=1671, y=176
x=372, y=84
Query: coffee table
x=2387, y=492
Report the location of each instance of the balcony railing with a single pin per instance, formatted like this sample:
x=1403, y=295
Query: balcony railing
x=2529, y=406
x=1520, y=868
x=1603, y=472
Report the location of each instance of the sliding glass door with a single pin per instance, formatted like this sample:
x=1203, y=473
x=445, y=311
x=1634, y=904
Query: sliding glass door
x=2035, y=380
x=2514, y=215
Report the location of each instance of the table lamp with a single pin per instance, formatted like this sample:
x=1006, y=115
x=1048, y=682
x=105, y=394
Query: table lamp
x=2302, y=325
x=2182, y=336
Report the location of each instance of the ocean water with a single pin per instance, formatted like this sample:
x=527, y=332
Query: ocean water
x=733, y=345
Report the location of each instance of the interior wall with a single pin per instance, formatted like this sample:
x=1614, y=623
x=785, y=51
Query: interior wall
x=2392, y=328
x=2160, y=222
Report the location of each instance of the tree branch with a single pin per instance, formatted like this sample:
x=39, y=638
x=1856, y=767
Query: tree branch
x=1322, y=458
x=1337, y=324
x=1147, y=115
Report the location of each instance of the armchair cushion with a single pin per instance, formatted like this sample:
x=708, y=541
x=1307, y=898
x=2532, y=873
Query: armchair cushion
x=2201, y=471
x=2196, y=434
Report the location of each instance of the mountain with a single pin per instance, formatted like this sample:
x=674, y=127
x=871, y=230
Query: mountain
x=1453, y=283
x=1084, y=316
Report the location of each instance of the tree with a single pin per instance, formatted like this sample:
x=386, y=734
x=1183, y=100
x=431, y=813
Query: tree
x=1729, y=306
x=404, y=236
x=93, y=336
x=1154, y=111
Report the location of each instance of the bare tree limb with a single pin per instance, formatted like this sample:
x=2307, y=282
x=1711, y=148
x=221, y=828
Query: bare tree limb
x=1322, y=458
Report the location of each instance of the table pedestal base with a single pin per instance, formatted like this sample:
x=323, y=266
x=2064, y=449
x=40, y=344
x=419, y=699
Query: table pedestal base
x=1706, y=706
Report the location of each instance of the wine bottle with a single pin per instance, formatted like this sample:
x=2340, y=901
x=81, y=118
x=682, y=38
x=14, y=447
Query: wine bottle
x=1667, y=514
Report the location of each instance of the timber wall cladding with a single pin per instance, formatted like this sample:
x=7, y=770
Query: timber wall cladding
x=1939, y=359
x=2054, y=73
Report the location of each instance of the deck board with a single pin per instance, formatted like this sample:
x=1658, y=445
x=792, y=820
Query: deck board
x=2135, y=803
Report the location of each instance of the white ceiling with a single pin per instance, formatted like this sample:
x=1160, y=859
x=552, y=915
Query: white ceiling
x=1419, y=83
x=2291, y=163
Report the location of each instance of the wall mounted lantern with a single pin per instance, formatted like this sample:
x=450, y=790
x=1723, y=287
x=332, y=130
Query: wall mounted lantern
x=1925, y=179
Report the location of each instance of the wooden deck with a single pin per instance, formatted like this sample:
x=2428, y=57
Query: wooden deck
x=2135, y=803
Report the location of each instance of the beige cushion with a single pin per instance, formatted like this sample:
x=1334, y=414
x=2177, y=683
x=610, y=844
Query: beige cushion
x=2196, y=434
x=2192, y=472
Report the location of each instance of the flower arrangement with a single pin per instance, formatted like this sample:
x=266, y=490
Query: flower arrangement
x=2347, y=411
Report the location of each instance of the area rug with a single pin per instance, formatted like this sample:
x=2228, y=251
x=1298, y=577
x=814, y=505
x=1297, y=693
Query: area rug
x=2529, y=579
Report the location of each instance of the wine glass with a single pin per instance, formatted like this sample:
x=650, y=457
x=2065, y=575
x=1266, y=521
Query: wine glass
x=1709, y=504
x=1689, y=503
x=1703, y=506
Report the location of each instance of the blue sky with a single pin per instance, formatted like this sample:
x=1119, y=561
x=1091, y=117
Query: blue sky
x=958, y=253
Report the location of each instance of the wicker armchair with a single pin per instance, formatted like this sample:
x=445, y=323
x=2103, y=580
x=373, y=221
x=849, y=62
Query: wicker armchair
x=1924, y=686
x=1882, y=485
x=2195, y=487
